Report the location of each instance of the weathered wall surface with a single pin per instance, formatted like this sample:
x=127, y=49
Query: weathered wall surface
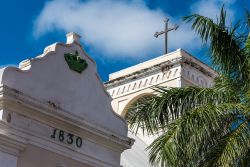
x=44, y=158
x=55, y=116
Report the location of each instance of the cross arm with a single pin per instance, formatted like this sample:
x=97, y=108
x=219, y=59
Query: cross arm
x=173, y=28
x=159, y=33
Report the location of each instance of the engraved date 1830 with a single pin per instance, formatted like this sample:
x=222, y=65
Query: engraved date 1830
x=66, y=137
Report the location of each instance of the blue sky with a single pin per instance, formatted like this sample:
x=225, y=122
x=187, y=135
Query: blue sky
x=116, y=33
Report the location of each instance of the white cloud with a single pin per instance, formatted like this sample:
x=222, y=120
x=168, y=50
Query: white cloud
x=116, y=28
x=211, y=8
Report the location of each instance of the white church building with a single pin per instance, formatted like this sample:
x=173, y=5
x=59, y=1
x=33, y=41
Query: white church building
x=56, y=112
x=175, y=69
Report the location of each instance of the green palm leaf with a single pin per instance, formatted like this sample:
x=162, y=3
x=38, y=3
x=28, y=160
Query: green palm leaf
x=225, y=45
x=203, y=126
x=192, y=135
x=154, y=113
x=231, y=149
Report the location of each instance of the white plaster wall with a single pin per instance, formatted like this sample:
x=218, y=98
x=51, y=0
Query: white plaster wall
x=36, y=157
x=50, y=80
x=192, y=76
x=43, y=96
x=39, y=134
x=137, y=156
x=7, y=160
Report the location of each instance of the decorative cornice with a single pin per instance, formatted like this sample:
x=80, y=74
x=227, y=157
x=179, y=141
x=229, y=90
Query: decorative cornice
x=143, y=88
x=198, y=67
x=48, y=111
x=164, y=66
x=9, y=144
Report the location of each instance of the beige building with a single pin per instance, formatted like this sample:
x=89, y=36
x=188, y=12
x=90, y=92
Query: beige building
x=175, y=69
x=55, y=112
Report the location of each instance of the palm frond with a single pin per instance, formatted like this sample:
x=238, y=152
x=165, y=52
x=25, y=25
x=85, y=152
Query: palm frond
x=225, y=44
x=244, y=160
x=203, y=126
x=247, y=45
x=231, y=149
x=154, y=113
x=191, y=135
x=248, y=18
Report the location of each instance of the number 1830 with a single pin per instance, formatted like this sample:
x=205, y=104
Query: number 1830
x=66, y=137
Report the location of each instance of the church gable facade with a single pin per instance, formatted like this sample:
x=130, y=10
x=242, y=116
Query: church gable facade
x=55, y=112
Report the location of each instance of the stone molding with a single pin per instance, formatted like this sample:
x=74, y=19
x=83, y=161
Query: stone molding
x=156, y=82
x=10, y=144
x=13, y=101
x=144, y=72
x=160, y=73
x=165, y=66
x=51, y=112
x=144, y=82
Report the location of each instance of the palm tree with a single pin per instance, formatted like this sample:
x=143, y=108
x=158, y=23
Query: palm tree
x=204, y=126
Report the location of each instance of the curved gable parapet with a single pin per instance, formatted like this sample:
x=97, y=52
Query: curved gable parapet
x=50, y=79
